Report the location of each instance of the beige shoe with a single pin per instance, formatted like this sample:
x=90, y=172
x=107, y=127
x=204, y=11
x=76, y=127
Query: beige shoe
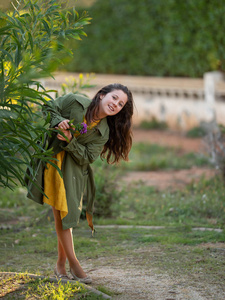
x=61, y=276
x=85, y=280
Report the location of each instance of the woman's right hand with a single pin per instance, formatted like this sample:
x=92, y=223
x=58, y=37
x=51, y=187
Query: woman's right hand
x=67, y=135
x=64, y=125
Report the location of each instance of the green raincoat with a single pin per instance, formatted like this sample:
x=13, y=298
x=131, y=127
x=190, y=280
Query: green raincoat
x=79, y=153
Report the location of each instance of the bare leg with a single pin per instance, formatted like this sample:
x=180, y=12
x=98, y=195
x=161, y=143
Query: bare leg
x=66, y=248
x=61, y=262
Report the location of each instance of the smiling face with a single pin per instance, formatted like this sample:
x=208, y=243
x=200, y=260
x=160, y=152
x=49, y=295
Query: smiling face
x=111, y=103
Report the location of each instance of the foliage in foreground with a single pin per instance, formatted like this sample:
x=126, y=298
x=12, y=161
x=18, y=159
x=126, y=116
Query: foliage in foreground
x=31, y=47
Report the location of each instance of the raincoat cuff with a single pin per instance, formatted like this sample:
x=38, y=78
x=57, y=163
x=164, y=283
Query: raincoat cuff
x=56, y=121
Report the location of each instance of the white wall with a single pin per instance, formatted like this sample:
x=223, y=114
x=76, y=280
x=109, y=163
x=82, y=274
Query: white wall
x=182, y=103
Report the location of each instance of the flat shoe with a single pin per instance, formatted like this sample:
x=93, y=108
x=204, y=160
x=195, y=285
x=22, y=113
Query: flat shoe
x=86, y=279
x=62, y=276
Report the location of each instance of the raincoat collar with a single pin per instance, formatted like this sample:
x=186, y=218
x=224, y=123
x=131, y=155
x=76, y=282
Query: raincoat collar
x=85, y=102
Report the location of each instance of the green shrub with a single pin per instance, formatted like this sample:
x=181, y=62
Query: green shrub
x=31, y=43
x=196, y=132
x=107, y=191
x=106, y=188
x=153, y=124
x=153, y=37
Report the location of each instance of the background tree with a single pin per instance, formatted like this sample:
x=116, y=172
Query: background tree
x=153, y=37
x=31, y=47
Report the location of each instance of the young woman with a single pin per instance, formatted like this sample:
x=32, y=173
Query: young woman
x=108, y=120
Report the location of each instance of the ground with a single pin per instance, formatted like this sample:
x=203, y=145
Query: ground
x=135, y=276
x=157, y=271
x=168, y=138
x=169, y=179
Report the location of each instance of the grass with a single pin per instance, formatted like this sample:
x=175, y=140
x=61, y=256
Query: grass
x=151, y=157
x=26, y=251
x=199, y=204
x=29, y=242
x=143, y=157
x=174, y=250
x=21, y=286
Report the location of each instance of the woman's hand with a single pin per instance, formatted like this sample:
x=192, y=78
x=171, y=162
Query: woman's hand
x=63, y=127
x=67, y=134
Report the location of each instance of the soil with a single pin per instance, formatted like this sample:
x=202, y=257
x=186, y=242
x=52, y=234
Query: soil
x=169, y=179
x=172, y=180
x=168, y=138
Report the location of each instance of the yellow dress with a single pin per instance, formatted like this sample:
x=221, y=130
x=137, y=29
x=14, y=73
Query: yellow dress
x=54, y=187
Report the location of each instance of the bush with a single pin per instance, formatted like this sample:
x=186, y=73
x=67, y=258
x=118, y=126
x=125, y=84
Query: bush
x=153, y=124
x=153, y=37
x=196, y=132
x=31, y=43
x=107, y=191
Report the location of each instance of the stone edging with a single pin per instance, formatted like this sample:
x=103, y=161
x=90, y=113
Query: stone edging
x=154, y=227
x=7, y=227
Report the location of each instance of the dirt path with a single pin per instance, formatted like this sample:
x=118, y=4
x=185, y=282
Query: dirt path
x=169, y=179
x=132, y=283
x=168, y=138
x=172, y=180
x=135, y=278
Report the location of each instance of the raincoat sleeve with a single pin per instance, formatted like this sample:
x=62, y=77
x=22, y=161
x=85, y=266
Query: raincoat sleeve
x=55, y=108
x=86, y=154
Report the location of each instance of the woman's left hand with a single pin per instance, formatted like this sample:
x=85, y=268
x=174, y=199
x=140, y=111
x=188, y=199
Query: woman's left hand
x=67, y=133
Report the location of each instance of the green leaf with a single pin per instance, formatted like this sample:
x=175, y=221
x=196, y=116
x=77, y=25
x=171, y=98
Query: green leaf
x=5, y=30
x=31, y=41
x=47, y=29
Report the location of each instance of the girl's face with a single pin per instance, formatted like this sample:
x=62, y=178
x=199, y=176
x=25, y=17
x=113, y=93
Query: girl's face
x=112, y=103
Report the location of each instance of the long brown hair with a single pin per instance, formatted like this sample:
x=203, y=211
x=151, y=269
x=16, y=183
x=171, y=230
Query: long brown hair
x=120, y=136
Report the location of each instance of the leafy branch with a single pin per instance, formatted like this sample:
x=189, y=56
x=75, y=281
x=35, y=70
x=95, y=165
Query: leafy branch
x=32, y=46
